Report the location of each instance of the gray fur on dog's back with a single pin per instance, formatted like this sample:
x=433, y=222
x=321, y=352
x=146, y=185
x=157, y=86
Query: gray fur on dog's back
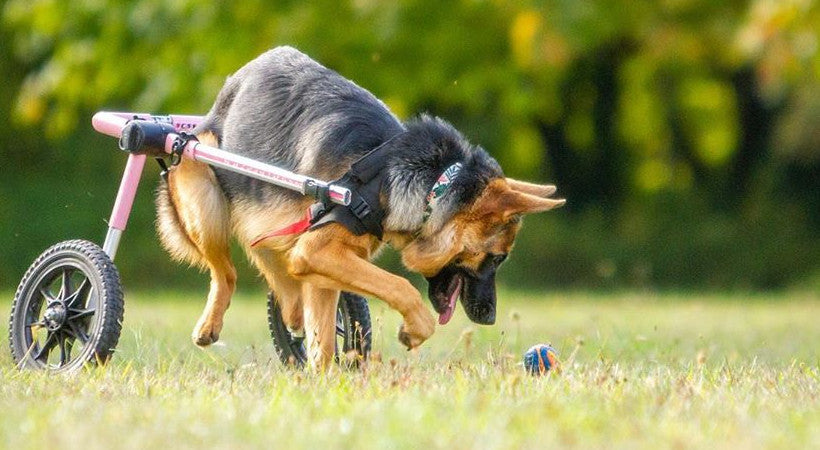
x=285, y=109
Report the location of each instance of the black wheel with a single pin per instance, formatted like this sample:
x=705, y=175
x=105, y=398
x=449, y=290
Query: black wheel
x=68, y=309
x=353, y=331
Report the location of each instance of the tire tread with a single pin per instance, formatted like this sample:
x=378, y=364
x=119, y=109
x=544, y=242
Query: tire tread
x=106, y=339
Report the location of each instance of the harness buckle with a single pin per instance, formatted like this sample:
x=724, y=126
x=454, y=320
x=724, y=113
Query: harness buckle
x=360, y=209
x=178, y=146
x=316, y=211
x=320, y=192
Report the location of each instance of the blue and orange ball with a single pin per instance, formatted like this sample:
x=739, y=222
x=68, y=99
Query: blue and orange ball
x=540, y=359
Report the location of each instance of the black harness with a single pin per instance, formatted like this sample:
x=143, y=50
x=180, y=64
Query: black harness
x=364, y=214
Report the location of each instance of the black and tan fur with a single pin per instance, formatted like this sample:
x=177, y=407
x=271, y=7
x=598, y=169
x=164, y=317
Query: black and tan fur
x=285, y=109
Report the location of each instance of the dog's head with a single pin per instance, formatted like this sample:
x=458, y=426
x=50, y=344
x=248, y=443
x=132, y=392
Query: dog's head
x=460, y=258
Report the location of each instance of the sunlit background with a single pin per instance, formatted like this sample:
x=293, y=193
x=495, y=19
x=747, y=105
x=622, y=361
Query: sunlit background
x=685, y=134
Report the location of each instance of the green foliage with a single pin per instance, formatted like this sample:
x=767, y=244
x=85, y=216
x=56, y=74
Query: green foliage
x=667, y=244
x=625, y=105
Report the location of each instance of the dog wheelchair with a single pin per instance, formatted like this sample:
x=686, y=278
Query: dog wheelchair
x=67, y=311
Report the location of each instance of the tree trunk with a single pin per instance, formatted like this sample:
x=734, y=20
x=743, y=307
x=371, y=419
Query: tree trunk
x=599, y=177
x=756, y=123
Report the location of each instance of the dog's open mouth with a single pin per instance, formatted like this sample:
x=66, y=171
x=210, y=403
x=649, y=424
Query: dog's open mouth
x=476, y=291
x=453, y=292
x=444, y=289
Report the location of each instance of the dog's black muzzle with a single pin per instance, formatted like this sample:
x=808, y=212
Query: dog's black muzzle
x=477, y=293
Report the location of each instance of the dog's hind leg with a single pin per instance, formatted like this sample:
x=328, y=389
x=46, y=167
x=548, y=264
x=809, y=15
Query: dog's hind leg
x=194, y=224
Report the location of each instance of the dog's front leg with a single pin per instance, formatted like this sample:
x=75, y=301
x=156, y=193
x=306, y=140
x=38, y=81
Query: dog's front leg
x=320, y=324
x=334, y=264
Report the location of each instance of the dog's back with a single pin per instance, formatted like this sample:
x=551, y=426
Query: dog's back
x=282, y=108
x=285, y=109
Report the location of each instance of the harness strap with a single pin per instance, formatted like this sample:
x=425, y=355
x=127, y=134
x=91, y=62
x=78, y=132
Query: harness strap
x=371, y=164
x=364, y=215
x=163, y=168
x=294, y=228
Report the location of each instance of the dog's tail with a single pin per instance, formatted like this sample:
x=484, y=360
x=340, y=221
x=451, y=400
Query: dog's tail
x=171, y=232
x=193, y=219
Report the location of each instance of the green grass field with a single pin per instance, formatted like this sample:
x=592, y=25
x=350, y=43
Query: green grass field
x=640, y=371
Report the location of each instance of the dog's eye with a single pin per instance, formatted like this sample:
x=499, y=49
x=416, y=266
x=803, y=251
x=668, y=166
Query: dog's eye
x=498, y=259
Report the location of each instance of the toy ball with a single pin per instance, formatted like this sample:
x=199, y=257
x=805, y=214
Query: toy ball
x=540, y=359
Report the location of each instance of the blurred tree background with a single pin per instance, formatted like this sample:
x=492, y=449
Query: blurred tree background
x=685, y=134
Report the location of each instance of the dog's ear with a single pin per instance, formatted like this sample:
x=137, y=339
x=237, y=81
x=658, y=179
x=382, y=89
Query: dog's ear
x=540, y=190
x=515, y=202
x=501, y=201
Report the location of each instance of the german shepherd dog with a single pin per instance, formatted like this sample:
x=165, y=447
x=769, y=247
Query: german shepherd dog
x=447, y=206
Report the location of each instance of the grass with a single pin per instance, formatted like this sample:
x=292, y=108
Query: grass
x=640, y=371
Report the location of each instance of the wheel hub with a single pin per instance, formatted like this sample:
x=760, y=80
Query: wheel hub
x=55, y=316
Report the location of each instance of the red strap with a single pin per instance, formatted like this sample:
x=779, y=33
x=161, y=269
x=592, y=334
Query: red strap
x=294, y=228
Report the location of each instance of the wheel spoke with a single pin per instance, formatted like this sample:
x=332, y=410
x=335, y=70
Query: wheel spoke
x=77, y=332
x=39, y=324
x=75, y=314
x=46, y=293
x=340, y=326
x=69, y=347
x=65, y=287
x=64, y=353
x=80, y=296
x=45, y=349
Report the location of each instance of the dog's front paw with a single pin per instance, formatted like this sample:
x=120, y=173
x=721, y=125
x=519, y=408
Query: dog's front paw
x=206, y=333
x=413, y=333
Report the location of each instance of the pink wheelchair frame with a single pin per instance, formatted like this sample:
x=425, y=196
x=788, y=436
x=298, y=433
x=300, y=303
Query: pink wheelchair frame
x=68, y=309
x=112, y=124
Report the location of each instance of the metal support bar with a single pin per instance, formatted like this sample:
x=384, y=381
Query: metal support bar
x=112, y=123
x=112, y=242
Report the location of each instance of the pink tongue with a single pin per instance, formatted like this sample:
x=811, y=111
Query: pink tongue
x=445, y=317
